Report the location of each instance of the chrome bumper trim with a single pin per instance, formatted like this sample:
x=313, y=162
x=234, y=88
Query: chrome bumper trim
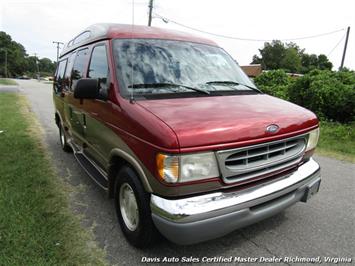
x=212, y=205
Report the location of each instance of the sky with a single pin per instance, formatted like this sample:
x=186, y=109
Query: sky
x=36, y=24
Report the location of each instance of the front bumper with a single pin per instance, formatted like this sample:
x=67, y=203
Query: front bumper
x=200, y=218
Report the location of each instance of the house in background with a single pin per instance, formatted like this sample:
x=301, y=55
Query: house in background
x=252, y=71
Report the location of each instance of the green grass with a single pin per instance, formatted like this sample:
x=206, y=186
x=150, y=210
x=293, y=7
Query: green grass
x=7, y=82
x=337, y=140
x=36, y=225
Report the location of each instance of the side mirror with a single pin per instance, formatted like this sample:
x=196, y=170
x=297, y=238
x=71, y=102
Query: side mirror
x=87, y=88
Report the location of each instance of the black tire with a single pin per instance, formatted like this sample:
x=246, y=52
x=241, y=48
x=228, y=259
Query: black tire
x=63, y=139
x=145, y=232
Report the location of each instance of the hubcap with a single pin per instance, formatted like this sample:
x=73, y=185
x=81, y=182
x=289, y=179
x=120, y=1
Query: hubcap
x=62, y=137
x=129, y=207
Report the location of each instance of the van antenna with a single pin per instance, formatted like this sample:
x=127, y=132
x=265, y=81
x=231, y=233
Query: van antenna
x=131, y=100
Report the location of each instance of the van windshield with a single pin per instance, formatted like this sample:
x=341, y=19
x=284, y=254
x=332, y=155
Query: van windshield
x=176, y=67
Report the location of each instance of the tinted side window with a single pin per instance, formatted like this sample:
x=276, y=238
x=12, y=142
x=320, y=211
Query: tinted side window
x=79, y=66
x=70, y=65
x=98, y=68
x=59, y=76
x=67, y=76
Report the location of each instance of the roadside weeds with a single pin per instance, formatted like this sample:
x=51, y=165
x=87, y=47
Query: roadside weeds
x=337, y=141
x=36, y=225
x=4, y=81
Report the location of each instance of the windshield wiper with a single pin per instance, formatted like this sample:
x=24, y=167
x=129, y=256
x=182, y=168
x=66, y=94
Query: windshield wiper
x=229, y=82
x=164, y=85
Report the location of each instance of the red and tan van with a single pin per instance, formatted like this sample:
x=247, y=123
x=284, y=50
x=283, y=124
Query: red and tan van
x=170, y=126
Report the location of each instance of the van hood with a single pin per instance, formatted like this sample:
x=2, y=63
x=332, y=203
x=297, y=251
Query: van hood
x=214, y=120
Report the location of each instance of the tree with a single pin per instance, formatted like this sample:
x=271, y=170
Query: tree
x=18, y=62
x=324, y=63
x=270, y=55
x=46, y=65
x=289, y=57
x=291, y=62
x=31, y=64
x=15, y=55
x=311, y=62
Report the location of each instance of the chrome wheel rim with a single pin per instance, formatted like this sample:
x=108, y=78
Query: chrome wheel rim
x=62, y=137
x=129, y=207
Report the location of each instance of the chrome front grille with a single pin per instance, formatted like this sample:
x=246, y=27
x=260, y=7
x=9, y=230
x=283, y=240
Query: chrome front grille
x=248, y=162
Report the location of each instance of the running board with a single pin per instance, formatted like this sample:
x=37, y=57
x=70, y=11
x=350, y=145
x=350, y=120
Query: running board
x=91, y=170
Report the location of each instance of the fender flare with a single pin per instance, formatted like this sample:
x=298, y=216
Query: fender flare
x=135, y=164
x=59, y=115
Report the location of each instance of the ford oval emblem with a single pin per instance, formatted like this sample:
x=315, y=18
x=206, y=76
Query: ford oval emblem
x=272, y=128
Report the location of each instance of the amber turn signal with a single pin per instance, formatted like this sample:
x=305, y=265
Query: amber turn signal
x=168, y=167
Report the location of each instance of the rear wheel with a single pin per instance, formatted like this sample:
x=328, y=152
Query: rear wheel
x=63, y=139
x=133, y=210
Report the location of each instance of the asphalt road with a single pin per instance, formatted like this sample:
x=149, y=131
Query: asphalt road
x=323, y=227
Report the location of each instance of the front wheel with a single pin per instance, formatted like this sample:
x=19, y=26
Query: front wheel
x=133, y=210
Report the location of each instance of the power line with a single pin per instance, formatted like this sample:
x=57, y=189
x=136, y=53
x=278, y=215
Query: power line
x=166, y=20
x=38, y=74
x=331, y=51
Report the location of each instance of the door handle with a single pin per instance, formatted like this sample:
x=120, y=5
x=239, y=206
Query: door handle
x=84, y=120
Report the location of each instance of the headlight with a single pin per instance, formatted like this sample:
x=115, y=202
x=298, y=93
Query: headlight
x=198, y=166
x=312, y=139
x=183, y=168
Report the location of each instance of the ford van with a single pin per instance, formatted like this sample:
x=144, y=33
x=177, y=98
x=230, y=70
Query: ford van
x=171, y=128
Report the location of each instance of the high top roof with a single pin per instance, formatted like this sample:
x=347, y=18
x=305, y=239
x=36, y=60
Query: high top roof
x=103, y=31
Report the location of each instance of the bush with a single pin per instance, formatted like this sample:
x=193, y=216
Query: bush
x=275, y=83
x=331, y=95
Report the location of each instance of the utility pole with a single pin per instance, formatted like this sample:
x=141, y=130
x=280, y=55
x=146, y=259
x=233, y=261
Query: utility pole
x=38, y=75
x=345, y=46
x=58, y=46
x=150, y=6
x=5, y=61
